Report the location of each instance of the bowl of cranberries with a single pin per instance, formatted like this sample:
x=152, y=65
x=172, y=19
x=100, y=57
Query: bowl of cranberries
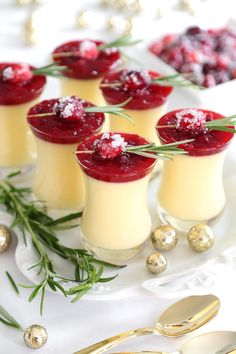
x=207, y=57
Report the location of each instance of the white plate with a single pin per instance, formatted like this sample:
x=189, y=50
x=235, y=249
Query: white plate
x=197, y=271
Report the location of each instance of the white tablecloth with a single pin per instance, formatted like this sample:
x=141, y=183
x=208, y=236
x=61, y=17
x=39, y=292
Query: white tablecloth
x=73, y=326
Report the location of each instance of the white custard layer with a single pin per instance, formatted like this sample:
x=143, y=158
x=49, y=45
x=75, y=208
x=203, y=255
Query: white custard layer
x=144, y=122
x=116, y=216
x=58, y=178
x=192, y=188
x=17, y=146
x=86, y=89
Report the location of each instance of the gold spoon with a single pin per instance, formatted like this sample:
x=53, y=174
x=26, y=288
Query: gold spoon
x=182, y=317
x=210, y=343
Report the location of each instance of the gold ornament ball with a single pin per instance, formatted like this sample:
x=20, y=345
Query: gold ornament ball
x=35, y=336
x=156, y=263
x=164, y=238
x=5, y=238
x=201, y=237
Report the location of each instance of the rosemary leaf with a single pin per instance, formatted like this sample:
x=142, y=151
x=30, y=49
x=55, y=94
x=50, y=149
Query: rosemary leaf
x=34, y=223
x=124, y=41
x=8, y=320
x=12, y=282
x=50, y=70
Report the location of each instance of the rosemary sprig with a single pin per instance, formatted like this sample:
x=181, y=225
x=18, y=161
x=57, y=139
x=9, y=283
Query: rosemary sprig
x=50, y=70
x=12, y=282
x=154, y=151
x=177, y=80
x=8, y=320
x=117, y=110
x=35, y=223
x=223, y=124
x=123, y=41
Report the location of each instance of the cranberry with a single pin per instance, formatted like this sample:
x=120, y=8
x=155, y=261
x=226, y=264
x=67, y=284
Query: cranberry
x=191, y=120
x=109, y=146
x=16, y=73
x=88, y=50
x=69, y=109
x=135, y=80
x=214, y=52
x=193, y=31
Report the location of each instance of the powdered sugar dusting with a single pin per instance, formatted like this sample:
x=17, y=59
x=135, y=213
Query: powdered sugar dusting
x=69, y=108
x=190, y=118
x=109, y=146
x=118, y=141
x=8, y=73
x=88, y=50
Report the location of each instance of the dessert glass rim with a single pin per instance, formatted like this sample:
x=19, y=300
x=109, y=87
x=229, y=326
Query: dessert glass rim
x=201, y=152
x=116, y=178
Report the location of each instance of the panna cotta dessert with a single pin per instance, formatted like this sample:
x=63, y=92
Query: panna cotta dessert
x=191, y=188
x=20, y=88
x=86, y=61
x=58, y=126
x=115, y=222
x=148, y=100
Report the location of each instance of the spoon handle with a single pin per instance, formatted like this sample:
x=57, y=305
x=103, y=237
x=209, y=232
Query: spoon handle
x=109, y=343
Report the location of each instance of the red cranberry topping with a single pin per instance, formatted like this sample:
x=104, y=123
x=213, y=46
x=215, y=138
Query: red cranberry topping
x=88, y=50
x=209, y=54
x=206, y=142
x=55, y=130
x=14, y=92
x=109, y=146
x=87, y=62
x=135, y=80
x=146, y=96
x=69, y=109
x=16, y=73
x=191, y=120
x=125, y=167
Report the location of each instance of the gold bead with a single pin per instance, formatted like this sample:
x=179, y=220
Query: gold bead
x=23, y=2
x=201, y=237
x=164, y=238
x=156, y=263
x=35, y=336
x=83, y=19
x=5, y=238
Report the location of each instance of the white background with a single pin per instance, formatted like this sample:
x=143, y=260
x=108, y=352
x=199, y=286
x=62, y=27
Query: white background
x=73, y=326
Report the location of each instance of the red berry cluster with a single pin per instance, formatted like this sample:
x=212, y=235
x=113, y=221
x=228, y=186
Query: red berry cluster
x=191, y=120
x=16, y=73
x=135, y=80
x=69, y=109
x=109, y=146
x=209, y=54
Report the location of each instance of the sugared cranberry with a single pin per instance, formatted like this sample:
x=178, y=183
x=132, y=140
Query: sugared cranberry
x=135, y=80
x=191, y=120
x=192, y=31
x=212, y=50
x=88, y=50
x=69, y=109
x=16, y=73
x=109, y=146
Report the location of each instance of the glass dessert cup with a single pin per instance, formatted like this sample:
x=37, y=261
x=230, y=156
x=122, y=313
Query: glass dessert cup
x=115, y=223
x=17, y=146
x=58, y=181
x=191, y=189
x=148, y=103
x=85, y=69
